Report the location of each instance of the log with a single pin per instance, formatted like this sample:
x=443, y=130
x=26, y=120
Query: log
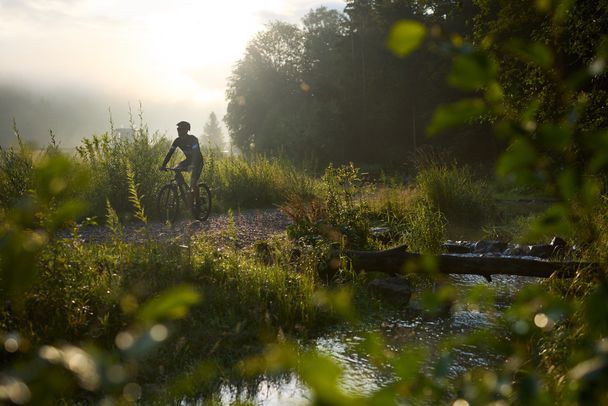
x=393, y=261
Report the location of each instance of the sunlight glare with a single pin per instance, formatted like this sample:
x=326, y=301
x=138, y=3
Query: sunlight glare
x=185, y=42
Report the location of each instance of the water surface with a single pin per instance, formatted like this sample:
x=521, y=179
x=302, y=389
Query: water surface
x=400, y=328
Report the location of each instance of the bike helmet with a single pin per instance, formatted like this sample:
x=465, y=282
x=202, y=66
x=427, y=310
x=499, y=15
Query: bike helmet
x=184, y=124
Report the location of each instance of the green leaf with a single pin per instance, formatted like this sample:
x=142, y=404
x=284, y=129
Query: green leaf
x=596, y=309
x=408, y=365
x=455, y=114
x=534, y=52
x=520, y=155
x=472, y=71
x=405, y=36
x=568, y=183
x=495, y=93
x=555, y=136
x=322, y=375
x=554, y=220
x=375, y=348
x=591, y=191
x=68, y=211
x=55, y=176
x=173, y=303
x=597, y=144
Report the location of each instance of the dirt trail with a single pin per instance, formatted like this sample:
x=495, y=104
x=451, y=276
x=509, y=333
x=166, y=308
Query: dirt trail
x=249, y=226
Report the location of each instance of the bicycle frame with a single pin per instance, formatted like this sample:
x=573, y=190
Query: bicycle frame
x=182, y=186
x=199, y=206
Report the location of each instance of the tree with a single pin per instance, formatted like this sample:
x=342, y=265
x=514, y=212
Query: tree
x=264, y=92
x=213, y=133
x=329, y=89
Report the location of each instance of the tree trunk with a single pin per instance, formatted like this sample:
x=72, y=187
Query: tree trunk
x=394, y=261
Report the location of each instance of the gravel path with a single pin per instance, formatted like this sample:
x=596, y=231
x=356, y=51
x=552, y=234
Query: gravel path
x=249, y=226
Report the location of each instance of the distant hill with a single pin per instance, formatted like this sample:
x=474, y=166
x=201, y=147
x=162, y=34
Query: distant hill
x=71, y=116
x=74, y=114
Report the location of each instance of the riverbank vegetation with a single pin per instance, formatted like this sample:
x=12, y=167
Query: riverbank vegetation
x=172, y=321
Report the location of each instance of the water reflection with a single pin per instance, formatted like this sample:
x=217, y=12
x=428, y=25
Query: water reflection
x=285, y=390
x=401, y=328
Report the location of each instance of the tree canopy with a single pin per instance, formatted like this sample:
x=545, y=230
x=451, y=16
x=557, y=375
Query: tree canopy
x=329, y=89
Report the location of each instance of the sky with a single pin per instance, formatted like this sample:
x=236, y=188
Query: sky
x=68, y=65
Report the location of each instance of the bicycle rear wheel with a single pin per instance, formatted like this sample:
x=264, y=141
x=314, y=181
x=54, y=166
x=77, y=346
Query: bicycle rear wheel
x=202, y=207
x=168, y=203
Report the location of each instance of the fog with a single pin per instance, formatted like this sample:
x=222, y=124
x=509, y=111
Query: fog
x=76, y=113
x=65, y=63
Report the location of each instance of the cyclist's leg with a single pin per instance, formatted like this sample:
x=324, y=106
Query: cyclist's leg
x=196, y=174
x=182, y=166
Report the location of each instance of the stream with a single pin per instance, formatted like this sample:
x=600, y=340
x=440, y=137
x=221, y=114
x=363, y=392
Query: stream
x=401, y=328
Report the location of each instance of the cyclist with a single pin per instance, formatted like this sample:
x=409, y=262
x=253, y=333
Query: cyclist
x=189, y=145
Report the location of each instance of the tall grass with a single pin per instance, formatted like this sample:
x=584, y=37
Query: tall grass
x=455, y=192
x=409, y=218
x=15, y=171
x=108, y=158
x=255, y=181
x=118, y=165
x=345, y=209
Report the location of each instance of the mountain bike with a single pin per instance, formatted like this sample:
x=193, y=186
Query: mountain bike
x=168, y=200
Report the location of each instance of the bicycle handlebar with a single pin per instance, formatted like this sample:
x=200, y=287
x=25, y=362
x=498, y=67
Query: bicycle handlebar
x=174, y=169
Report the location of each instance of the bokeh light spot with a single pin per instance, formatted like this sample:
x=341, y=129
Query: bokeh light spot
x=11, y=344
x=49, y=353
x=124, y=340
x=159, y=333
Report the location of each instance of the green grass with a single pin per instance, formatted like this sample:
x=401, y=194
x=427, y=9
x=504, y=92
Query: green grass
x=457, y=194
x=117, y=167
x=186, y=313
x=257, y=181
x=99, y=291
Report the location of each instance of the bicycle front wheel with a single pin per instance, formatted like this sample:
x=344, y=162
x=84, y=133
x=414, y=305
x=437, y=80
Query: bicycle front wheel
x=168, y=203
x=202, y=207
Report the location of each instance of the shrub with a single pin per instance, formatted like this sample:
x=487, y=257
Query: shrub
x=337, y=212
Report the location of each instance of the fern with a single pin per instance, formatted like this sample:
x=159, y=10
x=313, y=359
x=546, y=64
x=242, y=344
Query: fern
x=113, y=222
x=134, y=198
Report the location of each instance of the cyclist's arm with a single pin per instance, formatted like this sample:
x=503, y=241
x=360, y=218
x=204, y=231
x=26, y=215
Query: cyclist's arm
x=196, y=154
x=168, y=156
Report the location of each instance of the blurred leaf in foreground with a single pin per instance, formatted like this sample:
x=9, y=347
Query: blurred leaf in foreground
x=173, y=303
x=534, y=52
x=472, y=71
x=405, y=37
x=452, y=115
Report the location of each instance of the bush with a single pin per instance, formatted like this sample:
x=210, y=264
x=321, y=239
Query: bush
x=337, y=212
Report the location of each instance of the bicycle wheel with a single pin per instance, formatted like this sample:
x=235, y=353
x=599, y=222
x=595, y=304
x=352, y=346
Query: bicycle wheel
x=168, y=203
x=202, y=208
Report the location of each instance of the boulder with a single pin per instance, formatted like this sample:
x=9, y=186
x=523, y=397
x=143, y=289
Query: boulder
x=488, y=246
x=457, y=247
x=394, y=289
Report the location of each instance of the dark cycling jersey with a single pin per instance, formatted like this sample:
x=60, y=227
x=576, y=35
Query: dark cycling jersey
x=189, y=145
